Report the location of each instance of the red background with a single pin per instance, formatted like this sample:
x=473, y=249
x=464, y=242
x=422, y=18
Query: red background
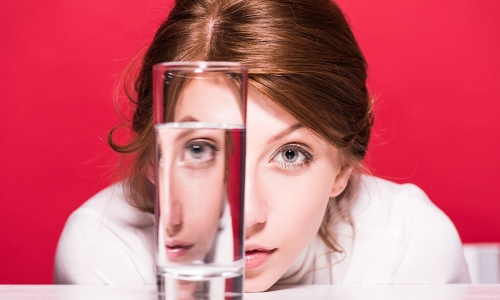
x=433, y=68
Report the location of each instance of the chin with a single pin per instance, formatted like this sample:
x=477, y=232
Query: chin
x=258, y=284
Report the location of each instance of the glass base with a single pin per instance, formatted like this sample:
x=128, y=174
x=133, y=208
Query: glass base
x=211, y=283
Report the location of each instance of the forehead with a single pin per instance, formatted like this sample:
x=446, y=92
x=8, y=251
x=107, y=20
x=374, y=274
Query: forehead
x=219, y=101
x=210, y=98
x=265, y=114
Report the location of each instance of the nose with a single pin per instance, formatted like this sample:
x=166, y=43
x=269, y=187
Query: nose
x=256, y=209
x=174, y=218
x=170, y=203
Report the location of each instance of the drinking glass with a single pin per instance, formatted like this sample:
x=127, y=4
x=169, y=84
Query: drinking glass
x=199, y=119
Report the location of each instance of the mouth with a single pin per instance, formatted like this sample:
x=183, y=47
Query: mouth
x=176, y=250
x=255, y=258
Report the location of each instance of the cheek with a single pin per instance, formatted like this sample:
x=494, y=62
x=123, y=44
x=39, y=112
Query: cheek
x=296, y=206
x=201, y=195
x=297, y=203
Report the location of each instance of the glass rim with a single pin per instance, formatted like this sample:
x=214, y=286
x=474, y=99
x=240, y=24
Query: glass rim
x=200, y=65
x=199, y=125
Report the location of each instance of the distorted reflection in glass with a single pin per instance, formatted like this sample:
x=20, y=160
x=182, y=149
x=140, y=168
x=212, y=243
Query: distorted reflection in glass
x=191, y=176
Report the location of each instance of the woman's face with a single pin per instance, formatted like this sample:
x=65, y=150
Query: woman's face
x=191, y=172
x=290, y=176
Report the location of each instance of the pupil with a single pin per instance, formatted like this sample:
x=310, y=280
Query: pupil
x=196, y=150
x=289, y=154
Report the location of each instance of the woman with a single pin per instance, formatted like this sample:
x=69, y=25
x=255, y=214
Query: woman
x=310, y=216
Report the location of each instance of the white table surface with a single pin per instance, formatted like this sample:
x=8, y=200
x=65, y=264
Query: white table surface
x=311, y=292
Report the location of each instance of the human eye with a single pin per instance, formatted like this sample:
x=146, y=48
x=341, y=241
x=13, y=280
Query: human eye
x=199, y=151
x=292, y=156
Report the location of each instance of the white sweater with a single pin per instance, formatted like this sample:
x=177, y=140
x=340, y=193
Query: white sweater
x=399, y=237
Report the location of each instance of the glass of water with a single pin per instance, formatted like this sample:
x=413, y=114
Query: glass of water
x=199, y=116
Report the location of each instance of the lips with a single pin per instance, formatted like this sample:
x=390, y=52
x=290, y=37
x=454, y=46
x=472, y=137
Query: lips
x=177, y=249
x=257, y=256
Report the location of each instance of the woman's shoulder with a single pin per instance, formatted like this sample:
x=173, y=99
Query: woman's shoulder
x=111, y=206
x=386, y=200
x=106, y=241
x=379, y=187
x=383, y=202
x=410, y=236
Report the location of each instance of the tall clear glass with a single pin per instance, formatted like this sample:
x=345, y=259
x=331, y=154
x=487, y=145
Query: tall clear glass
x=199, y=118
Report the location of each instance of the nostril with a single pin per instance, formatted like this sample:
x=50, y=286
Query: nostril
x=255, y=213
x=173, y=229
x=253, y=229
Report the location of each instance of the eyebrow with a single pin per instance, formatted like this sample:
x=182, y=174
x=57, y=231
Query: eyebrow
x=278, y=136
x=188, y=132
x=182, y=135
x=285, y=132
x=188, y=118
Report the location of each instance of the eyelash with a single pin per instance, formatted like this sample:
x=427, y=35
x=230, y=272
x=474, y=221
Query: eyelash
x=192, y=143
x=308, y=157
x=202, y=143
